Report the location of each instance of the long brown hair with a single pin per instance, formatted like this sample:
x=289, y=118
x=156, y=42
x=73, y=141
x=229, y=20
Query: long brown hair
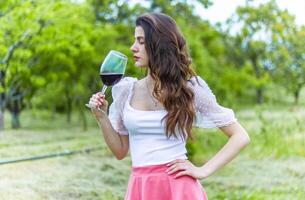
x=169, y=65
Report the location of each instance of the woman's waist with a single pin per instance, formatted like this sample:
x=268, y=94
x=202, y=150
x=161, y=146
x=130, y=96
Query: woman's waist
x=149, y=169
x=146, y=160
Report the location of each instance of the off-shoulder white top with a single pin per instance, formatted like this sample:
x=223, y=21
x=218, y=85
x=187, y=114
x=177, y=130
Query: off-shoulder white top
x=147, y=140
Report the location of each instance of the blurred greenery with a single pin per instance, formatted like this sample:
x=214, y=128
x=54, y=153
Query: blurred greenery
x=50, y=52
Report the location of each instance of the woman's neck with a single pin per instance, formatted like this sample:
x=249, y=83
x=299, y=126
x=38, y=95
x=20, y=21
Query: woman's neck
x=149, y=80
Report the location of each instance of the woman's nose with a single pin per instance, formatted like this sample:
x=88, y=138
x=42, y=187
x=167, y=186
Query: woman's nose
x=133, y=47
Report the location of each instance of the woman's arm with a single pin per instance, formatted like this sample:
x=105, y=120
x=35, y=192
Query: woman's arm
x=238, y=139
x=118, y=144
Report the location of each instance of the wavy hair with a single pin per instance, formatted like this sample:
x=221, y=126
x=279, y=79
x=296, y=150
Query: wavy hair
x=169, y=65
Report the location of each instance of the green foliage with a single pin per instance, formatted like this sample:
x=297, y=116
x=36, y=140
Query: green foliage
x=50, y=51
x=288, y=56
x=264, y=41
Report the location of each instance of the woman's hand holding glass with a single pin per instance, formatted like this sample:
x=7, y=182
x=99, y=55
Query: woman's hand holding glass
x=98, y=104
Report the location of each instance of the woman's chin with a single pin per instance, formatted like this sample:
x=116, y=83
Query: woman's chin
x=140, y=65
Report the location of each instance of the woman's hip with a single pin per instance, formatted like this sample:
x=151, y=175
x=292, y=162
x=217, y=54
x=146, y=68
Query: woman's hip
x=153, y=183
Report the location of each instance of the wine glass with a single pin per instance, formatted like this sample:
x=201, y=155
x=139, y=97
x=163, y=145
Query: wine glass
x=112, y=70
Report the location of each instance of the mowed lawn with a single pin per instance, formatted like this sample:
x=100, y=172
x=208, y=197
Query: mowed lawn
x=271, y=167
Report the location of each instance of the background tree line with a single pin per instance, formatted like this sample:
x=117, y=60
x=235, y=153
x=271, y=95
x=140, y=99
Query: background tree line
x=50, y=51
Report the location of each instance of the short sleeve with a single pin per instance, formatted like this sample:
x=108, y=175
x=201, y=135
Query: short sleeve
x=209, y=114
x=120, y=93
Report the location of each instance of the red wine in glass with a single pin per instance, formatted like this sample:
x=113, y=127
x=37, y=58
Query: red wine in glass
x=111, y=79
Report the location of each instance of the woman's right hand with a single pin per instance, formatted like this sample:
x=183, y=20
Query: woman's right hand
x=98, y=101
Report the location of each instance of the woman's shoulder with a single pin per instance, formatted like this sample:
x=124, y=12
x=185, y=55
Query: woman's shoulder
x=200, y=88
x=197, y=81
x=125, y=81
x=123, y=86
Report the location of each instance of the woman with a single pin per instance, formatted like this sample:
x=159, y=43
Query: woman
x=154, y=116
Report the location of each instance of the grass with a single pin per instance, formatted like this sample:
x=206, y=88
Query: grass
x=271, y=167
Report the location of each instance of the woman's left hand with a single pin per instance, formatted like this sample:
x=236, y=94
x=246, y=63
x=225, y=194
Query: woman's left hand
x=185, y=167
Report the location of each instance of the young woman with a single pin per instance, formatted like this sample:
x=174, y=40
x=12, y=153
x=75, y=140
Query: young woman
x=154, y=116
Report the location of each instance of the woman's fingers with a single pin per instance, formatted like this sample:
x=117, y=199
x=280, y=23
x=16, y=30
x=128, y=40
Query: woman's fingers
x=100, y=94
x=98, y=100
x=176, y=167
x=176, y=161
x=95, y=102
x=100, y=97
x=182, y=173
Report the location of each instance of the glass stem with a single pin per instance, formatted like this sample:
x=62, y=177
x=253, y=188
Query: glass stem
x=104, y=89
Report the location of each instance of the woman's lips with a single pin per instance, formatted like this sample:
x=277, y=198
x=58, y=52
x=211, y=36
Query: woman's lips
x=136, y=58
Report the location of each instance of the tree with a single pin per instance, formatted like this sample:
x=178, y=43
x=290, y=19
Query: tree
x=254, y=38
x=288, y=55
x=14, y=39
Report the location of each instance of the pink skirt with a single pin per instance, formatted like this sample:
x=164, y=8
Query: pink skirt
x=153, y=183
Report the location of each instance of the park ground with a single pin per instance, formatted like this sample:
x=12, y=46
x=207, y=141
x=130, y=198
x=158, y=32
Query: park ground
x=271, y=167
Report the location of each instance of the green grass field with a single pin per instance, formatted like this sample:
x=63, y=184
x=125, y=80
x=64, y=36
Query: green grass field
x=271, y=167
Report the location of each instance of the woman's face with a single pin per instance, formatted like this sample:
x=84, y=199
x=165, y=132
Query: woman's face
x=138, y=48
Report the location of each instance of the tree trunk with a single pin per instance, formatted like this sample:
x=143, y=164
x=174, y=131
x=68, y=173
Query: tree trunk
x=82, y=114
x=2, y=100
x=1, y=120
x=296, y=96
x=15, y=115
x=259, y=91
x=69, y=105
x=259, y=96
x=84, y=119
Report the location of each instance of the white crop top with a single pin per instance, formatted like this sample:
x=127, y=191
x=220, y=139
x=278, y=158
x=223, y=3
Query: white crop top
x=147, y=140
